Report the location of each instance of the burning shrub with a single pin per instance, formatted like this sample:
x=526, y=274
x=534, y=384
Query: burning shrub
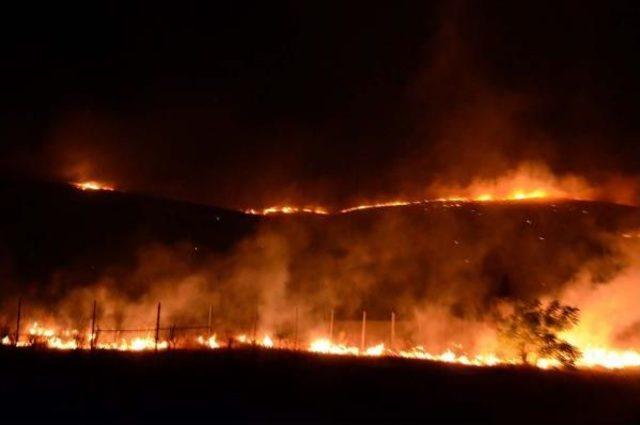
x=532, y=329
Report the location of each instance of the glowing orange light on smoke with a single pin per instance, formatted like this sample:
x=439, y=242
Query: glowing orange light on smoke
x=69, y=339
x=526, y=182
x=516, y=195
x=288, y=209
x=93, y=185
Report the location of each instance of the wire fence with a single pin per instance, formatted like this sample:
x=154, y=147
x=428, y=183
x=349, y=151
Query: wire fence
x=174, y=335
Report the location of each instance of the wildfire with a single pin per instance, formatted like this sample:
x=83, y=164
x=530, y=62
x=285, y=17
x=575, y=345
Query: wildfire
x=38, y=335
x=135, y=344
x=211, y=342
x=450, y=357
x=93, y=185
x=287, y=209
x=517, y=195
x=325, y=346
x=610, y=359
x=380, y=205
x=528, y=181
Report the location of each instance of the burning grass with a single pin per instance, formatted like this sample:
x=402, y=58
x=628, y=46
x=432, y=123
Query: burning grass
x=93, y=185
x=53, y=338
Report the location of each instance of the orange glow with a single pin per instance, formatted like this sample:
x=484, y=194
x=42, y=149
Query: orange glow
x=267, y=342
x=70, y=339
x=287, y=209
x=516, y=195
x=210, y=342
x=526, y=182
x=379, y=205
x=93, y=185
x=325, y=346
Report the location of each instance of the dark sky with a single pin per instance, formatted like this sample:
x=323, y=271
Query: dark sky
x=247, y=104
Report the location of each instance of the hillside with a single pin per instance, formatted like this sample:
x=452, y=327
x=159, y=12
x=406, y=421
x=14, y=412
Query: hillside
x=58, y=236
x=46, y=227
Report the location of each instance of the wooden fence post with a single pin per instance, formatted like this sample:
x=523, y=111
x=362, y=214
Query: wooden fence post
x=157, y=327
x=363, y=335
x=295, y=341
x=255, y=327
x=331, y=326
x=393, y=330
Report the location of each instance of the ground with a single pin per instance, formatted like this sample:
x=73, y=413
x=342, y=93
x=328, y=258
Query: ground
x=275, y=386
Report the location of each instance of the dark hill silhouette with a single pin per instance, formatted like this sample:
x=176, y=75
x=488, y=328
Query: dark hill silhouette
x=57, y=233
x=48, y=226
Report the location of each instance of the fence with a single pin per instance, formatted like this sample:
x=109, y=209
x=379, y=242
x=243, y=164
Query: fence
x=366, y=331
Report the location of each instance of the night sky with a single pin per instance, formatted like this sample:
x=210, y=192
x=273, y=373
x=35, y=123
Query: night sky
x=244, y=104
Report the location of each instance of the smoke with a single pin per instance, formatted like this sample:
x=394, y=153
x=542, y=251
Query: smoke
x=609, y=313
x=456, y=117
x=441, y=97
x=536, y=180
x=445, y=269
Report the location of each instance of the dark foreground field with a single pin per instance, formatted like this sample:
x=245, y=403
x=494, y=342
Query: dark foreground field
x=270, y=386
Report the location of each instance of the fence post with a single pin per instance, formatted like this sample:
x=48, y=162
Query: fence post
x=331, y=326
x=255, y=327
x=209, y=322
x=92, y=341
x=18, y=320
x=393, y=330
x=172, y=336
x=157, y=327
x=363, y=335
x=295, y=340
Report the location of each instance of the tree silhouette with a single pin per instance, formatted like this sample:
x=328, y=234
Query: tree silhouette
x=533, y=330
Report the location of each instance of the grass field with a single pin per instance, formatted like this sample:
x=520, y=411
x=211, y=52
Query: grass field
x=276, y=386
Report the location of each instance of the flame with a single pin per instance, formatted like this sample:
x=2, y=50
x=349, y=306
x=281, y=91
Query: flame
x=376, y=350
x=267, y=341
x=70, y=339
x=527, y=182
x=449, y=356
x=388, y=204
x=211, y=342
x=93, y=185
x=610, y=359
x=325, y=346
x=516, y=195
x=288, y=209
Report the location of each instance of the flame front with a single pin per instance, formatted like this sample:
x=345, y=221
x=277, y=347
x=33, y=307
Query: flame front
x=288, y=209
x=73, y=339
x=512, y=196
x=517, y=195
x=528, y=181
x=93, y=185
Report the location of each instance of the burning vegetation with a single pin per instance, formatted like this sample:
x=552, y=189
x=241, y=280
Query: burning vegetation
x=532, y=329
x=452, y=280
x=528, y=182
x=93, y=185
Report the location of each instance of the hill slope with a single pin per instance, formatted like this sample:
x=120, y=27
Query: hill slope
x=467, y=254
